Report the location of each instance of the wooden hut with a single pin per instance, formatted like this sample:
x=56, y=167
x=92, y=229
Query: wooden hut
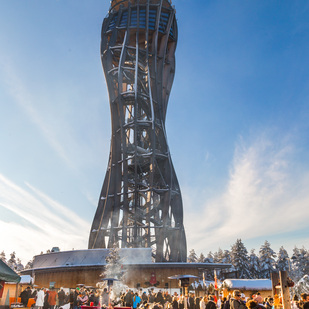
x=248, y=286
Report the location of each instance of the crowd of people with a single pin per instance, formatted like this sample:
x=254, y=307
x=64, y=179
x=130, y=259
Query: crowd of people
x=81, y=296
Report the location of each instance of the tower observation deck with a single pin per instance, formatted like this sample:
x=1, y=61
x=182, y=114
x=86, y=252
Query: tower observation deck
x=140, y=204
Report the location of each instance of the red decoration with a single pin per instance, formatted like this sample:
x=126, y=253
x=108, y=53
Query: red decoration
x=153, y=279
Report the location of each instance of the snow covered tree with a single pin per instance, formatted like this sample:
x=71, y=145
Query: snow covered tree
x=192, y=258
x=218, y=256
x=2, y=256
x=209, y=258
x=302, y=286
x=113, y=267
x=267, y=260
x=254, y=265
x=226, y=258
x=201, y=258
x=29, y=265
x=283, y=261
x=12, y=261
x=19, y=265
x=300, y=263
x=239, y=255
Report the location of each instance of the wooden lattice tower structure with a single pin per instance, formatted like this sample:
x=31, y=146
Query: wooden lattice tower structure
x=140, y=203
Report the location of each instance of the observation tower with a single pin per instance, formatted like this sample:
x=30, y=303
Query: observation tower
x=140, y=205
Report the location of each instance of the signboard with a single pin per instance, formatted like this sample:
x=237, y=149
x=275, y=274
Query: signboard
x=52, y=284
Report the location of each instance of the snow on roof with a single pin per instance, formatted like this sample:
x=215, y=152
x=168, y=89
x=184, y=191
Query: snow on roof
x=90, y=257
x=25, y=279
x=249, y=284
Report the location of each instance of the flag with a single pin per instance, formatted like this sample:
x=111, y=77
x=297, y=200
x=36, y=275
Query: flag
x=216, y=282
x=204, y=282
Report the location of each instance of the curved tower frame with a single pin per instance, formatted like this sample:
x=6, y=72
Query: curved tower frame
x=140, y=203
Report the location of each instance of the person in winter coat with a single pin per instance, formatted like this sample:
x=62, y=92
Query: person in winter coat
x=175, y=303
x=128, y=299
x=25, y=295
x=203, y=302
x=52, y=298
x=136, y=300
x=236, y=302
x=105, y=297
x=211, y=304
x=61, y=297
x=39, y=303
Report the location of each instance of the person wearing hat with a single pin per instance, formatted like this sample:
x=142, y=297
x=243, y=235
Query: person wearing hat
x=236, y=302
x=211, y=304
x=61, y=297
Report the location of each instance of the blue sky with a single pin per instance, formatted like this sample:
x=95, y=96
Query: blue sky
x=237, y=122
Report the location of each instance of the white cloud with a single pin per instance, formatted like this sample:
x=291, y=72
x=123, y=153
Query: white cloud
x=263, y=196
x=40, y=222
x=24, y=98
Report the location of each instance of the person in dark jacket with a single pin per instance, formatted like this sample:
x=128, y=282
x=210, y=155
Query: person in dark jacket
x=236, y=302
x=25, y=295
x=211, y=304
x=61, y=297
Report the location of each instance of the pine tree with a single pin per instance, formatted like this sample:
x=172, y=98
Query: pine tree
x=267, y=260
x=19, y=265
x=226, y=257
x=302, y=286
x=113, y=267
x=218, y=256
x=2, y=256
x=29, y=265
x=239, y=255
x=283, y=261
x=209, y=258
x=192, y=258
x=12, y=261
x=300, y=263
x=254, y=265
x=201, y=258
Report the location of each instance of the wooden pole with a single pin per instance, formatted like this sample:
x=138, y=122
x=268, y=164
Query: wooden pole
x=186, y=297
x=286, y=299
x=274, y=282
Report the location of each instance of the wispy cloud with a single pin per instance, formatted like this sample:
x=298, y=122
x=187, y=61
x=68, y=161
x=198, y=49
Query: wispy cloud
x=40, y=222
x=263, y=196
x=24, y=98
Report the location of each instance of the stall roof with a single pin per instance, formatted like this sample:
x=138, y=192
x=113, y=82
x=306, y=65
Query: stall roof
x=249, y=284
x=7, y=274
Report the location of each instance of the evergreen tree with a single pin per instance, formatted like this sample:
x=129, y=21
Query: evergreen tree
x=201, y=258
x=12, y=261
x=218, y=256
x=2, y=256
x=209, y=258
x=29, y=265
x=192, y=258
x=239, y=255
x=283, y=261
x=19, y=265
x=113, y=267
x=267, y=260
x=226, y=258
x=302, y=286
x=299, y=264
x=254, y=265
